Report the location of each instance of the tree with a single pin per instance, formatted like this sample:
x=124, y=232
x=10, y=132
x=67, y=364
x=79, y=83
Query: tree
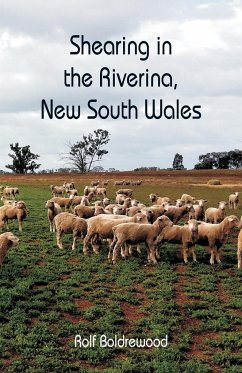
x=84, y=153
x=235, y=158
x=23, y=159
x=205, y=162
x=220, y=160
x=178, y=162
x=98, y=169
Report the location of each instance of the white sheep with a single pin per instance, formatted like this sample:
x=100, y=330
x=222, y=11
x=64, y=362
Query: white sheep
x=66, y=222
x=215, y=235
x=127, y=192
x=95, y=183
x=100, y=210
x=118, y=182
x=83, y=200
x=88, y=190
x=131, y=233
x=215, y=215
x=84, y=211
x=106, y=201
x=62, y=202
x=176, y=213
x=120, y=198
x=136, y=182
x=7, y=240
x=101, y=227
x=239, y=252
x=124, y=206
x=158, y=200
x=179, y=202
x=186, y=198
x=57, y=190
x=101, y=192
x=199, y=212
x=131, y=211
x=69, y=186
x=7, y=202
x=53, y=210
x=10, y=192
x=18, y=212
x=72, y=192
x=185, y=235
x=234, y=200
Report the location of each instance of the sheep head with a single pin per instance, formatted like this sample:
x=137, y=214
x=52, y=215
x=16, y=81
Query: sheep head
x=222, y=205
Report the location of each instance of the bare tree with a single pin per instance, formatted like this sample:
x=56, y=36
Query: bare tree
x=89, y=150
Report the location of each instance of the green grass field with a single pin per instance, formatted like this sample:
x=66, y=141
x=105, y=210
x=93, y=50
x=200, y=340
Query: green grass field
x=50, y=295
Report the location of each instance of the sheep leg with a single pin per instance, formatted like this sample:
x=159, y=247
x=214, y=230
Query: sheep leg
x=125, y=250
x=111, y=246
x=115, y=251
x=58, y=239
x=122, y=251
x=218, y=257
x=152, y=257
x=130, y=250
x=20, y=226
x=185, y=254
x=213, y=254
x=138, y=248
x=6, y=224
x=239, y=255
x=74, y=240
x=193, y=254
x=86, y=242
x=95, y=246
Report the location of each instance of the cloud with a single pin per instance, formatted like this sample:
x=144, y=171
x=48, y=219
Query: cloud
x=206, y=39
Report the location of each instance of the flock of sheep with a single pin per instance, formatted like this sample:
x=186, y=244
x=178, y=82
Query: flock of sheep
x=127, y=223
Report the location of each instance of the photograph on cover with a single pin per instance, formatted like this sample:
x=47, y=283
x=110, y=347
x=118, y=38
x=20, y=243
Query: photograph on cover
x=120, y=186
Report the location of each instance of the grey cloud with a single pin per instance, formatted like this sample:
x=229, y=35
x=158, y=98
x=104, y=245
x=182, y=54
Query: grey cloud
x=209, y=75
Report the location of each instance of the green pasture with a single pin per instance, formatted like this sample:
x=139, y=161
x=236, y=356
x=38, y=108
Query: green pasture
x=48, y=295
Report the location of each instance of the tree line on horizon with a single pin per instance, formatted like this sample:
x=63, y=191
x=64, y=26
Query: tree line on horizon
x=83, y=155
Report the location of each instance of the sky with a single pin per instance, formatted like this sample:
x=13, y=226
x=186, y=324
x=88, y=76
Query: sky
x=206, y=64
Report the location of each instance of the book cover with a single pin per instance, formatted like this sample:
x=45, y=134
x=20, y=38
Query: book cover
x=120, y=181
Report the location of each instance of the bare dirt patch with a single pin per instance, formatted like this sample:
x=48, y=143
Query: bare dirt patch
x=34, y=242
x=73, y=260
x=74, y=319
x=228, y=177
x=41, y=263
x=83, y=303
x=222, y=294
x=131, y=312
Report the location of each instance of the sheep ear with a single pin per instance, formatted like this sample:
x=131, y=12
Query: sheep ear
x=231, y=219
